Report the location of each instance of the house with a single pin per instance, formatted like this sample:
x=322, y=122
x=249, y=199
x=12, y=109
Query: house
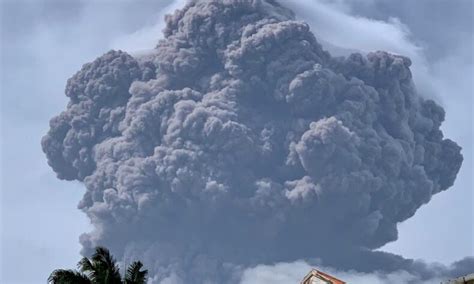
x=469, y=279
x=318, y=277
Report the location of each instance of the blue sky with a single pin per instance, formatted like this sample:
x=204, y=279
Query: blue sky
x=44, y=42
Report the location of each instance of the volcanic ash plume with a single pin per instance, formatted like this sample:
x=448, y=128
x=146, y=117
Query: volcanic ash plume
x=240, y=141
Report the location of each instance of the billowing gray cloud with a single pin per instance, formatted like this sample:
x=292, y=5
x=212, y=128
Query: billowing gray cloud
x=240, y=141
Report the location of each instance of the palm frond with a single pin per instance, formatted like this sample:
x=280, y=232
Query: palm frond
x=105, y=268
x=87, y=267
x=101, y=268
x=135, y=275
x=62, y=276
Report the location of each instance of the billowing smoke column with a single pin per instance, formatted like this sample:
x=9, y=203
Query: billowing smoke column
x=241, y=141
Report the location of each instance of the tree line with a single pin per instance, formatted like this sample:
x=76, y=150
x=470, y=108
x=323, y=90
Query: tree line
x=101, y=268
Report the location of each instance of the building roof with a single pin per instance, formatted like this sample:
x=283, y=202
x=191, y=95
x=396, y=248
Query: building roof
x=466, y=279
x=316, y=274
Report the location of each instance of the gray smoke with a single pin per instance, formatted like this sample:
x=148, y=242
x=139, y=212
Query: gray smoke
x=240, y=141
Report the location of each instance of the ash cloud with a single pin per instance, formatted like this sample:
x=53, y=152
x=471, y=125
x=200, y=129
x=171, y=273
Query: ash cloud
x=240, y=141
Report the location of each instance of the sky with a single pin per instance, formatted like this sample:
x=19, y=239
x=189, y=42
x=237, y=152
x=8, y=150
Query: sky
x=44, y=42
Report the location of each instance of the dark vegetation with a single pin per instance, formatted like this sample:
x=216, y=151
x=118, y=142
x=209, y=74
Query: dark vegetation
x=101, y=268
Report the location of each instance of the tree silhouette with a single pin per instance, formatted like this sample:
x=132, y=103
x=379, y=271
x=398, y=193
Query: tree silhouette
x=101, y=268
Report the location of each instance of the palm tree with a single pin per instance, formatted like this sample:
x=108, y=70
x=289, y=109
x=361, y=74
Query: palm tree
x=62, y=276
x=135, y=275
x=100, y=269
